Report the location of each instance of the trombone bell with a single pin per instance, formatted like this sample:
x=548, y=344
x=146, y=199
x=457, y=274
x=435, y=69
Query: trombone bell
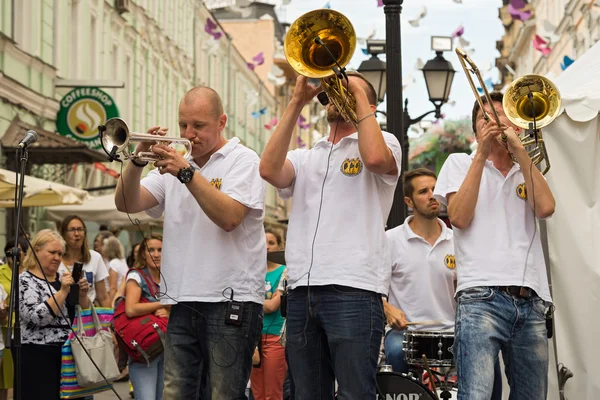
x=316, y=44
x=117, y=135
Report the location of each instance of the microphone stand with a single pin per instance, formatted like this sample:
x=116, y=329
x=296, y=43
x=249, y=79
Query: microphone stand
x=13, y=335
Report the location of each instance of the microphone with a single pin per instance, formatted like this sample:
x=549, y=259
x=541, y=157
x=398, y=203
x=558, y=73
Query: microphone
x=30, y=138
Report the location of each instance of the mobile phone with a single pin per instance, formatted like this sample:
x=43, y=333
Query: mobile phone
x=73, y=296
x=77, y=270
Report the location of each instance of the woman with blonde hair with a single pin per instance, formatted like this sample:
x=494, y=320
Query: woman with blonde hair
x=113, y=251
x=144, y=282
x=74, y=232
x=46, y=317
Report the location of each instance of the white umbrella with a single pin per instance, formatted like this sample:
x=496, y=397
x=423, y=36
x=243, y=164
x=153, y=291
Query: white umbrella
x=38, y=192
x=100, y=209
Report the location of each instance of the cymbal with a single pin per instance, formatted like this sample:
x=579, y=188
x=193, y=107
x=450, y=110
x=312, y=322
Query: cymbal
x=277, y=257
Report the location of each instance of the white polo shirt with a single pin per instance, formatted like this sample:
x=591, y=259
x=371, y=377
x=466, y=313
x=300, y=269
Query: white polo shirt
x=493, y=250
x=422, y=277
x=349, y=249
x=200, y=261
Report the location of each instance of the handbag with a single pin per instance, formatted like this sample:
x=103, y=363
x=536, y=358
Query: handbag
x=69, y=387
x=142, y=337
x=99, y=345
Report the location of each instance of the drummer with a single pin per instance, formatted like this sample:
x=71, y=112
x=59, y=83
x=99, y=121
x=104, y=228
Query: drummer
x=423, y=278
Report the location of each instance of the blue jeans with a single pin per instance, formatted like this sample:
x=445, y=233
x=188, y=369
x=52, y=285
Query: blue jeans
x=148, y=381
x=394, y=356
x=334, y=334
x=205, y=358
x=488, y=321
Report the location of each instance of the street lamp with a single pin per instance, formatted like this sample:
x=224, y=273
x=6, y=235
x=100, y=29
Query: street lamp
x=373, y=69
x=439, y=74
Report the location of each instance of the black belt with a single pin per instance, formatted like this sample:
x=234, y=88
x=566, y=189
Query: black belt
x=522, y=292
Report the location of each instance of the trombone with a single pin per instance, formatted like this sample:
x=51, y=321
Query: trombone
x=118, y=138
x=530, y=102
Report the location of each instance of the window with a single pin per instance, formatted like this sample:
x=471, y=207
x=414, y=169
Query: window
x=74, y=34
x=93, y=49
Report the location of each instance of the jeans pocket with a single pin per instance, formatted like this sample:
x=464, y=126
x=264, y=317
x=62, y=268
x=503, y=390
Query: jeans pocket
x=539, y=307
x=480, y=293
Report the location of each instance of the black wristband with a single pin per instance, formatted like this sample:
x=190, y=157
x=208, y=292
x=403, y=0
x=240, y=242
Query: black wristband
x=137, y=164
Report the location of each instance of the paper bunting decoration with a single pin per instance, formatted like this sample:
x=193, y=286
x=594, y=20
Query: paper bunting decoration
x=251, y=97
x=419, y=64
x=211, y=28
x=451, y=103
x=364, y=51
x=258, y=59
x=488, y=84
x=520, y=10
x=541, y=45
x=458, y=32
x=271, y=123
x=314, y=119
x=300, y=142
x=567, y=61
x=464, y=43
x=211, y=46
x=547, y=31
x=379, y=3
x=302, y=123
x=257, y=114
x=327, y=5
x=458, y=1
x=420, y=16
x=286, y=2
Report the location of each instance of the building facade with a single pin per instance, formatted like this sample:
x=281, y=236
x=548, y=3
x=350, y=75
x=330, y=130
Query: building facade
x=158, y=49
x=567, y=27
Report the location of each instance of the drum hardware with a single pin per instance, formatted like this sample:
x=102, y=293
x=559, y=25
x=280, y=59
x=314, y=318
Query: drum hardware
x=424, y=357
x=437, y=346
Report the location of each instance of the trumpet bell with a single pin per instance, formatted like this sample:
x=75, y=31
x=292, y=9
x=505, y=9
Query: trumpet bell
x=310, y=58
x=116, y=134
x=544, y=105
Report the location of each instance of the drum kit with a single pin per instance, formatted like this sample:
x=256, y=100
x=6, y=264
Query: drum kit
x=428, y=354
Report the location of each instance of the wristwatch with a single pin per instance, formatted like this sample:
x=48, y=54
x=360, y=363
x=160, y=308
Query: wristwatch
x=185, y=175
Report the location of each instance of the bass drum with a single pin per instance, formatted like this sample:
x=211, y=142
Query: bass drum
x=395, y=386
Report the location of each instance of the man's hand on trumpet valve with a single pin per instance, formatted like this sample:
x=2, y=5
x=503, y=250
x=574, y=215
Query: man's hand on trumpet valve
x=145, y=146
x=171, y=161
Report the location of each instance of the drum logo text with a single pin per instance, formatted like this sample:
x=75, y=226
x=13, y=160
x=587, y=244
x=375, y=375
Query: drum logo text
x=400, y=396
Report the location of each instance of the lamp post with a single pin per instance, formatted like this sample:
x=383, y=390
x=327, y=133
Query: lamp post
x=393, y=51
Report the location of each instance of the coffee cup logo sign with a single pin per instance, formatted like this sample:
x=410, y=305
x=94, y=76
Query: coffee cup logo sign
x=82, y=110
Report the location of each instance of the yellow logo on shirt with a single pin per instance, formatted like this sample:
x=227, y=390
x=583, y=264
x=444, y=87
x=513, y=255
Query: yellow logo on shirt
x=216, y=182
x=522, y=191
x=351, y=166
x=450, y=261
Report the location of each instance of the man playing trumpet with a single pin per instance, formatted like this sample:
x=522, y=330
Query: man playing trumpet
x=502, y=291
x=214, y=249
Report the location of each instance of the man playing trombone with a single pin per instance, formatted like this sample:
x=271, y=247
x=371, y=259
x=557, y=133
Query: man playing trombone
x=342, y=192
x=214, y=249
x=502, y=292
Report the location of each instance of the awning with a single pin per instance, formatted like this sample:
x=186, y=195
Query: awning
x=38, y=192
x=100, y=209
x=51, y=148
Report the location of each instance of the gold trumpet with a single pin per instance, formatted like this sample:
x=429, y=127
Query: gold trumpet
x=118, y=135
x=319, y=44
x=530, y=102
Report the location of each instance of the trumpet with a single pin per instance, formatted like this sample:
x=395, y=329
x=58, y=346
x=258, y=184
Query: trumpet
x=118, y=138
x=530, y=102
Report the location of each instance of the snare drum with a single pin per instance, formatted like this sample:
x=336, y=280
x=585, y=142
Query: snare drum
x=437, y=347
x=397, y=386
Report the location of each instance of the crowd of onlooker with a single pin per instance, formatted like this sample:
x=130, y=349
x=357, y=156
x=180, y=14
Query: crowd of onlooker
x=108, y=274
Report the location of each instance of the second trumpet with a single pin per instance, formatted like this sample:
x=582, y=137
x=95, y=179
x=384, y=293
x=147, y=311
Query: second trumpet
x=117, y=134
